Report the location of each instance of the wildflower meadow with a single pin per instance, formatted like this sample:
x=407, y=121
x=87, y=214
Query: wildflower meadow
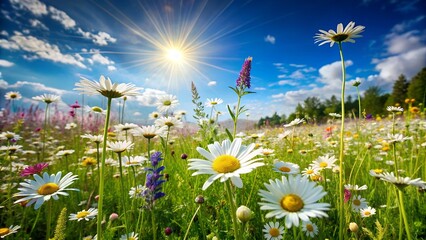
x=89, y=173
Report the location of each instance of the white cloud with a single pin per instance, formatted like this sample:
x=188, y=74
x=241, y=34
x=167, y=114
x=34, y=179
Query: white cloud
x=37, y=24
x=270, y=39
x=99, y=58
x=111, y=68
x=62, y=17
x=36, y=7
x=287, y=82
x=259, y=88
x=211, y=83
x=401, y=27
x=297, y=65
x=40, y=49
x=149, y=97
x=35, y=86
x=101, y=38
x=4, y=33
x=297, y=74
x=331, y=74
x=5, y=63
x=3, y=84
x=137, y=114
x=400, y=43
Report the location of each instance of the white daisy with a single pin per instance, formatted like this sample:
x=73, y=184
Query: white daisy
x=367, y=212
x=226, y=161
x=133, y=161
x=42, y=189
x=341, y=35
x=213, y=102
x=295, y=122
x=8, y=230
x=120, y=146
x=93, y=138
x=166, y=103
x=13, y=96
x=324, y=162
x=310, y=229
x=9, y=136
x=125, y=127
x=394, y=109
x=168, y=122
x=151, y=131
x=47, y=98
x=95, y=110
x=69, y=126
x=137, y=192
x=286, y=168
x=358, y=203
x=355, y=187
x=84, y=215
x=106, y=88
x=129, y=236
x=154, y=115
x=294, y=198
x=402, y=182
x=273, y=231
x=335, y=115
x=309, y=171
x=397, y=138
x=65, y=153
x=267, y=152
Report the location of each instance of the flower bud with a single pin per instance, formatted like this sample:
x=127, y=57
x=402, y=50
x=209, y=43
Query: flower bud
x=113, y=216
x=184, y=156
x=199, y=199
x=244, y=214
x=168, y=231
x=353, y=227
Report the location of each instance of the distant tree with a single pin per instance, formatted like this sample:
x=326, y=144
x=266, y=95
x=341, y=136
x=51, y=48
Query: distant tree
x=332, y=105
x=313, y=108
x=399, y=92
x=417, y=87
x=373, y=102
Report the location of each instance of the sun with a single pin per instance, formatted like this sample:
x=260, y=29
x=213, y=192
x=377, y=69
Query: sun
x=175, y=55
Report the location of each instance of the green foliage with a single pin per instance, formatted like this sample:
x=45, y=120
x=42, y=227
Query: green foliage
x=199, y=107
x=380, y=232
x=417, y=87
x=399, y=92
x=61, y=225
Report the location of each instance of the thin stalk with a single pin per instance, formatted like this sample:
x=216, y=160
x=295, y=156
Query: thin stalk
x=233, y=210
x=359, y=103
x=237, y=113
x=341, y=155
x=49, y=219
x=404, y=215
x=123, y=194
x=190, y=223
x=101, y=172
x=43, y=137
x=154, y=226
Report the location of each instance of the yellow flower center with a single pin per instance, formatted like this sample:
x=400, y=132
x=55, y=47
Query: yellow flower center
x=292, y=203
x=4, y=231
x=132, y=238
x=13, y=95
x=367, y=213
x=309, y=171
x=97, y=109
x=284, y=169
x=82, y=214
x=226, y=164
x=323, y=165
x=149, y=135
x=48, y=188
x=110, y=93
x=167, y=103
x=9, y=135
x=356, y=202
x=213, y=103
x=339, y=37
x=309, y=227
x=377, y=171
x=274, y=232
x=169, y=124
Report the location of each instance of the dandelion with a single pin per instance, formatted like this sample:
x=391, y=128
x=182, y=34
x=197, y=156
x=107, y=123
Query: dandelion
x=273, y=231
x=166, y=103
x=88, y=161
x=35, y=169
x=41, y=189
x=226, y=161
x=310, y=229
x=341, y=35
x=367, y=212
x=294, y=198
x=286, y=168
x=84, y=215
x=4, y=232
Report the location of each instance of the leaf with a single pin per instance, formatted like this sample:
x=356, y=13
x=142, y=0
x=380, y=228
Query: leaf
x=230, y=112
x=229, y=134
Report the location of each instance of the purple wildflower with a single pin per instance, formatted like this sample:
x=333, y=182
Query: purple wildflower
x=154, y=180
x=36, y=169
x=243, y=80
x=347, y=195
x=75, y=105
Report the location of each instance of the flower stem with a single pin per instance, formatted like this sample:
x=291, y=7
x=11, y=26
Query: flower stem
x=233, y=210
x=49, y=219
x=190, y=223
x=43, y=138
x=154, y=226
x=101, y=172
x=123, y=198
x=237, y=113
x=341, y=155
x=404, y=215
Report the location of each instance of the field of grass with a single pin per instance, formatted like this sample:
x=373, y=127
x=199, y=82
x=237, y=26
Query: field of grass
x=162, y=199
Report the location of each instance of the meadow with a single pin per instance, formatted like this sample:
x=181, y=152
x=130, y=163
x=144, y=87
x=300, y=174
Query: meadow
x=89, y=172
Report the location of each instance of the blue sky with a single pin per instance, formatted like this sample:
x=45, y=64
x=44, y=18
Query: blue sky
x=45, y=46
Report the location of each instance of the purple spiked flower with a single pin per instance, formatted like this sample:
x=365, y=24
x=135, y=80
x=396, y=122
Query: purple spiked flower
x=243, y=80
x=154, y=181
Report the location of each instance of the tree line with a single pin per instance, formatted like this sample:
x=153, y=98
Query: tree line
x=373, y=102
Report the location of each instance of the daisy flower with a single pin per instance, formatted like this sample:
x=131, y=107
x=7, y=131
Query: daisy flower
x=133, y=161
x=358, y=203
x=367, y=212
x=9, y=136
x=168, y=122
x=341, y=35
x=106, y=88
x=355, y=187
x=93, y=138
x=402, y=182
x=36, y=169
x=293, y=197
x=267, y=152
x=154, y=115
x=137, y=192
x=166, y=103
x=394, y=109
x=47, y=98
x=397, y=138
x=273, y=231
x=286, y=168
x=335, y=115
x=13, y=96
x=310, y=229
x=213, y=102
x=8, y=230
x=377, y=173
x=309, y=171
x=125, y=127
x=226, y=161
x=84, y=215
x=149, y=131
x=120, y=146
x=129, y=236
x=65, y=153
x=43, y=188
x=324, y=162
x=95, y=110
x=295, y=122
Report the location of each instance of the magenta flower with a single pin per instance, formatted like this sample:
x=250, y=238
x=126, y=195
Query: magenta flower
x=36, y=169
x=243, y=80
x=75, y=105
x=347, y=195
